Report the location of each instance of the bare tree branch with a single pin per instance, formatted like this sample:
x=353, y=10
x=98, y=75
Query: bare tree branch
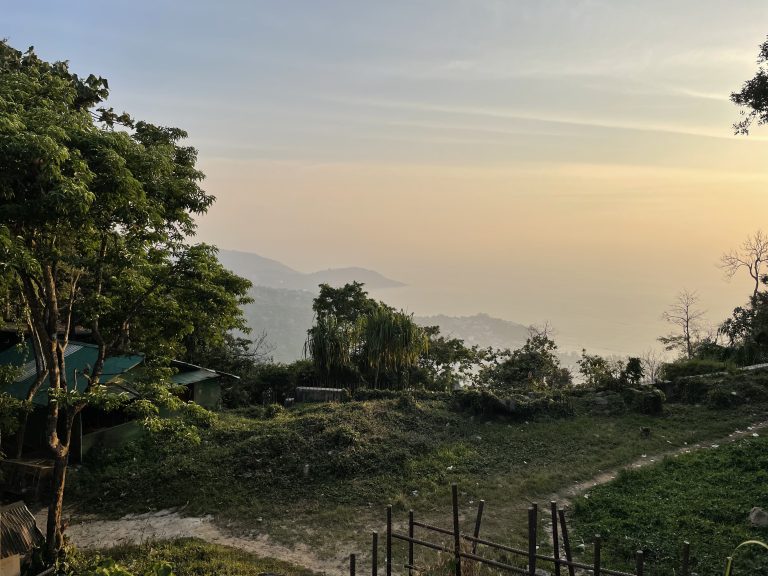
x=684, y=314
x=751, y=255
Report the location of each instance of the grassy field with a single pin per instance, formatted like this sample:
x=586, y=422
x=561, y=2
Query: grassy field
x=704, y=497
x=360, y=456
x=188, y=558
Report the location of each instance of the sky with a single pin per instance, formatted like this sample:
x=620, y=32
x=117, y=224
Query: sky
x=570, y=161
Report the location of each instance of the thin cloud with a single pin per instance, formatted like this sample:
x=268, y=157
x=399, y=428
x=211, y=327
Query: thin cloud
x=529, y=116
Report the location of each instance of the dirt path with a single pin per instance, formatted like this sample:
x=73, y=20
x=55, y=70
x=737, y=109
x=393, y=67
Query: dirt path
x=92, y=532
x=564, y=497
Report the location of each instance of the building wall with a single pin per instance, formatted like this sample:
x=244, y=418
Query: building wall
x=114, y=437
x=10, y=566
x=207, y=393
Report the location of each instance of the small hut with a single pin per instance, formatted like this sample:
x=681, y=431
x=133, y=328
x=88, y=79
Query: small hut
x=19, y=536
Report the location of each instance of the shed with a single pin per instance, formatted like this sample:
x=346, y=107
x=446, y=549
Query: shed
x=313, y=394
x=80, y=358
x=203, y=384
x=19, y=536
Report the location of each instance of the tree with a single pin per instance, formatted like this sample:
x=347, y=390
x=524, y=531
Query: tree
x=651, y=361
x=751, y=255
x=747, y=330
x=392, y=343
x=447, y=361
x=633, y=371
x=685, y=315
x=347, y=303
x=753, y=96
x=356, y=340
x=95, y=225
x=532, y=366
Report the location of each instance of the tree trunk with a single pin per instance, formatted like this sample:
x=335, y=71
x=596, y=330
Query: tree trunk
x=53, y=532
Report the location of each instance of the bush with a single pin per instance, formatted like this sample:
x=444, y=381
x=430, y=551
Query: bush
x=721, y=391
x=693, y=390
x=478, y=401
x=362, y=394
x=737, y=390
x=695, y=367
x=645, y=401
x=273, y=410
x=483, y=402
x=271, y=383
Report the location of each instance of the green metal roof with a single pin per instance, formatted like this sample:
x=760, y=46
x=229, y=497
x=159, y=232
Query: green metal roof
x=194, y=376
x=78, y=357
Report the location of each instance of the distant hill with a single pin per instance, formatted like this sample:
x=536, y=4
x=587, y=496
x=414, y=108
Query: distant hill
x=259, y=270
x=282, y=306
x=480, y=329
x=340, y=276
x=486, y=331
x=272, y=274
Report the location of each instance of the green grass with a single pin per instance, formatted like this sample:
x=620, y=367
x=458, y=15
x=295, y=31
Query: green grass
x=703, y=497
x=364, y=455
x=188, y=557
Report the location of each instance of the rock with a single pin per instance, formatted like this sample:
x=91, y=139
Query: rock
x=758, y=517
x=542, y=572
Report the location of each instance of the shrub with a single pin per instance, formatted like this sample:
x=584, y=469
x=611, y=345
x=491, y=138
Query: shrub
x=645, y=400
x=270, y=383
x=273, y=410
x=483, y=402
x=693, y=390
x=362, y=394
x=695, y=367
x=478, y=401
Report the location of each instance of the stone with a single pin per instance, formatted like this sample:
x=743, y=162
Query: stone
x=758, y=517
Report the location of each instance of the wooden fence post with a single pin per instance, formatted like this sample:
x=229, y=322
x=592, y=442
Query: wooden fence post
x=478, y=520
x=555, y=537
x=389, y=540
x=532, y=520
x=351, y=565
x=686, y=569
x=566, y=542
x=639, y=562
x=598, y=546
x=410, y=543
x=456, y=528
x=374, y=553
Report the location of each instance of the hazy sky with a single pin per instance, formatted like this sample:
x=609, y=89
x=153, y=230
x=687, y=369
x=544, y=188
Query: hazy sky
x=563, y=160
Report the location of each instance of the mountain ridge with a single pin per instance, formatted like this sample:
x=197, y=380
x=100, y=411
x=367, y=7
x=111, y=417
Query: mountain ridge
x=262, y=271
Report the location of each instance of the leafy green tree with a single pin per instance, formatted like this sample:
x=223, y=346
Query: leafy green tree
x=533, y=366
x=597, y=372
x=94, y=232
x=333, y=347
x=747, y=331
x=612, y=373
x=753, y=96
x=347, y=303
x=392, y=343
x=633, y=371
x=447, y=362
x=358, y=341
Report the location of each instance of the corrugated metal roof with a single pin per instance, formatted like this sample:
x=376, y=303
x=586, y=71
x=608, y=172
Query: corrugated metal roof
x=79, y=356
x=194, y=376
x=19, y=533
